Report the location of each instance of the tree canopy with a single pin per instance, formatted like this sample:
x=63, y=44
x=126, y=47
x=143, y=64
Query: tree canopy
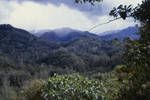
x=137, y=53
x=141, y=12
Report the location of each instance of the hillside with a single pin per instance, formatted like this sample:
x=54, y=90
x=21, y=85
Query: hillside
x=63, y=35
x=87, y=48
x=22, y=45
x=26, y=56
x=130, y=32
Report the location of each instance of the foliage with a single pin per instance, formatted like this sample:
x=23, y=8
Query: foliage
x=140, y=12
x=110, y=82
x=137, y=54
x=74, y=87
x=84, y=53
x=122, y=11
x=100, y=86
x=32, y=90
x=137, y=60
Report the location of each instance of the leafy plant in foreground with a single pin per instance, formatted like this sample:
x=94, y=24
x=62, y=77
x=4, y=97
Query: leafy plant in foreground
x=73, y=87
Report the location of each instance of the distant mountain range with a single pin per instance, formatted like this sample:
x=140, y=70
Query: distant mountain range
x=25, y=56
x=67, y=34
x=62, y=35
x=130, y=32
x=65, y=48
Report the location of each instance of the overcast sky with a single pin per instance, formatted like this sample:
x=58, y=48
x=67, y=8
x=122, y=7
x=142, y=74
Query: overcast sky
x=53, y=14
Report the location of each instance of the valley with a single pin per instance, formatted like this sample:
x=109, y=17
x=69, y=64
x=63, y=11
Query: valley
x=26, y=56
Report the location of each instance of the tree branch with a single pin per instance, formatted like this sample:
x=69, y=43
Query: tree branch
x=103, y=23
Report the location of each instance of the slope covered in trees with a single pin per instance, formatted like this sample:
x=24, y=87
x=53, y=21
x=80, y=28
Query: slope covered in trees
x=34, y=59
x=27, y=57
x=137, y=54
x=22, y=45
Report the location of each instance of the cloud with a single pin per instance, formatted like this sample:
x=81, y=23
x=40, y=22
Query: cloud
x=49, y=14
x=99, y=9
x=124, y=2
x=5, y=10
x=31, y=15
x=86, y=8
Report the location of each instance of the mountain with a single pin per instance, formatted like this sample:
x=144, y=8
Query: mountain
x=95, y=52
x=62, y=48
x=83, y=50
x=60, y=31
x=38, y=33
x=19, y=44
x=67, y=34
x=63, y=35
x=130, y=32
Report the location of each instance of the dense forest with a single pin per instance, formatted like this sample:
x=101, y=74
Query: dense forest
x=78, y=65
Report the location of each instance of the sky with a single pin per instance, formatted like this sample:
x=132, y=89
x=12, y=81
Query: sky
x=54, y=14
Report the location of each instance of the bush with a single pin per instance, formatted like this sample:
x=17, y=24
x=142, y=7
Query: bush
x=32, y=91
x=72, y=87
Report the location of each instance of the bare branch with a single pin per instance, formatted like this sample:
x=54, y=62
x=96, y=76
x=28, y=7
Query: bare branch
x=103, y=23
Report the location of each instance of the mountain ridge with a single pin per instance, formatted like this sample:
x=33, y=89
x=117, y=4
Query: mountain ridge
x=16, y=42
x=67, y=34
x=130, y=32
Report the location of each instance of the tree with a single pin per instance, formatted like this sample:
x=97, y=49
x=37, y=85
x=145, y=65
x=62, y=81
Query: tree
x=137, y=53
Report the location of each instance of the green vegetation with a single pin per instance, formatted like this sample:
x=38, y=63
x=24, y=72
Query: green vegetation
x=75, y=87
x=41, y=71
x=137, y=54
x=32, y=90
x=72, y=87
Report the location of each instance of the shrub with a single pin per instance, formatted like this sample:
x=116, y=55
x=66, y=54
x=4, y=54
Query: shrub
x=72, y=87
x=32, y=91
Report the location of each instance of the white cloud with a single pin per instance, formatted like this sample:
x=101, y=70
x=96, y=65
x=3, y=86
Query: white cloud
x=34, y=16
x=5, y=10
x=30, y=15
x=114, y=3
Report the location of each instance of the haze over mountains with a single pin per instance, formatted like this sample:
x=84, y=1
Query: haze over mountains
x=68, y=34
x=130, y=32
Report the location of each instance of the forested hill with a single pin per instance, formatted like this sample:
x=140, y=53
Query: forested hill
x=24, y=56
x=81, y=50
x=68, y=34
x=66, y=48
x=63, y=35
x=18, y=43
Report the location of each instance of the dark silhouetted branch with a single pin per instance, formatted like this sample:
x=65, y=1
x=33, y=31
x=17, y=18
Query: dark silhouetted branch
x=103, y=23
